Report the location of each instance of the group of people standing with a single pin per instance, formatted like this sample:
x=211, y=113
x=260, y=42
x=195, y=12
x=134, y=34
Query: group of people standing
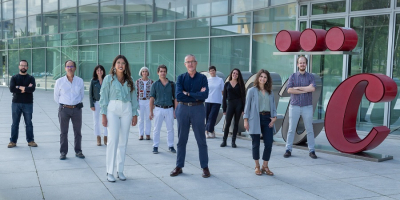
x=119, y=100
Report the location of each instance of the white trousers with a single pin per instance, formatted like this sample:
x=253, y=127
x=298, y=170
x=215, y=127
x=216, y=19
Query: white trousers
x=97, y=121
x=160, y=115
x=119, y=118
x=144, y=113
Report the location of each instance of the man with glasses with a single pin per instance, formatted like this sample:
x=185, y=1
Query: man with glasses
x=68, y=93
x=191, y=92
x=22, y=85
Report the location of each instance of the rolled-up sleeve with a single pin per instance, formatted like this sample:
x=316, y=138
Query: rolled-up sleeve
x=105, y=95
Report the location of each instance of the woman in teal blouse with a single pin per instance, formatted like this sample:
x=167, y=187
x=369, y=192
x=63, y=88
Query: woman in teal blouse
x=259, y=118
x=118, y=103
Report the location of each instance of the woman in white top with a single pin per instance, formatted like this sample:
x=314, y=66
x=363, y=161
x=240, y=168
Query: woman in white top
x=213, y=103
x=143, y=86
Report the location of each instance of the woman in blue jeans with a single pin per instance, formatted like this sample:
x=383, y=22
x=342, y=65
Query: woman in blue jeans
x=259, y=118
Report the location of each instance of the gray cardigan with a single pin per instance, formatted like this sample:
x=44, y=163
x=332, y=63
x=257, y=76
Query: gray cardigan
x=251, y=110
x=94, y=92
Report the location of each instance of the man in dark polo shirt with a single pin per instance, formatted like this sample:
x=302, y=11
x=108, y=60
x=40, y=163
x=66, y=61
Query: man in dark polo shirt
x=162, y=102
x=301, y=85
x=22, y=86
x=191, y=92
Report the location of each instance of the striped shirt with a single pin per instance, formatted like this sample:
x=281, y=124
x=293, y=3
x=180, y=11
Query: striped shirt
x=301, y=80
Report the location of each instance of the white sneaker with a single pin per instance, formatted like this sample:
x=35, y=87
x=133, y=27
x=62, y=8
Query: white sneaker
x=110, y=177
x=207, y=136
x=121, y=176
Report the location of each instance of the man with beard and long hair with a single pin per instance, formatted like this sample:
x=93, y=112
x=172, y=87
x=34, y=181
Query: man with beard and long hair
x=22, y=86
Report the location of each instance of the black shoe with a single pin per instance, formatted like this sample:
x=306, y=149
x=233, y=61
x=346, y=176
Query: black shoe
x=312, y=155
x=172, y=150
x=63, y=156
x=234, y=144
x=223, y=144
x=79, y=155
x=155, y=150
x=287, y=154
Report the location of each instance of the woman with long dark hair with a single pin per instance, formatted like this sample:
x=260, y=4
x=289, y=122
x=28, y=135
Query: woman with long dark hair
x=118, y=104
x=94, y=97
x=233, y=104
x=259, y=118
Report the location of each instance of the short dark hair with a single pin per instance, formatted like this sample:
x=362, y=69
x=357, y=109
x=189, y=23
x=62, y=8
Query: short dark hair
x=95, y=74
x=65, y=64
x=162, y=66
x=297, y=61
x=212, y=67
x=25, y=61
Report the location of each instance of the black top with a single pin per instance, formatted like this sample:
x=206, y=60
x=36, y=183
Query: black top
x=22, y=80
x=94, y=91
x=231, y=93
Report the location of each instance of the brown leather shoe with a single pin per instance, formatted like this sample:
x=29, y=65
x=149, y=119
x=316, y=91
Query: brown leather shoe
x=12, y=144
x=147, y=137
x=206, y=173
x=141, y=137
x=32, y=144
x=176, y=171
x=98, y=140
x=105, y=140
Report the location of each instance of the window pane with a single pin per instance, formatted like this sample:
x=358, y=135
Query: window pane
x=26, y=55
x=199, y=8
x=160, y=31
x=133, y=33
x=35, y=25
x=50, y=5
x=394, y=106
x=303, y=10
x=34, y=7
x=7, y=10
x=139, y=11
x=185, y=47
x=68, y=20
x=85, y=2
x=219, y=7
x=88, y=16
x=303, y=26
x=109, y=35
x=241, y=5
x=398, y=3
x=107, y=53
x=54, y=67
x=13, y=60
x=230, y=52
x=8, y=29
x=181, y=9
x=87, y=63
x=135, y=53
x=231, y=25
x=38, y=67
x=165, y=10
x=53, y=40
x=50, y=22
x=13, y=43
x=327, y=8
x=20, y=8
x=369, y=4
x=160, y=53
x=111, y=13
x=273, y=20
x=68, y=39
x=193, y=28
x=67, y=4
x=372, y=45
x=20, y=27
x=281, y=2
x=39, y=41
x=3, y=69
x=25, y=42
x=69, y=53
x=88, y=37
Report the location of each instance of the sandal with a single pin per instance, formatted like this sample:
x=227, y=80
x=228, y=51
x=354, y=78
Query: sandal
x=257, y=171
x=266, y=171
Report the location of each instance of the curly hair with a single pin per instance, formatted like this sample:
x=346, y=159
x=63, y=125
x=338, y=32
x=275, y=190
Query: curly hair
x=127, y=72
x=267, y=85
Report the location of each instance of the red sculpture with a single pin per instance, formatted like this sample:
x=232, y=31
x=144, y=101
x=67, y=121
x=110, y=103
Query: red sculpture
x=341, y=39
x=288, y=41
x=341, y=112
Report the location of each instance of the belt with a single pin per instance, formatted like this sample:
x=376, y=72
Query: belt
x=68, y=106
x=142, y=98
x=165, y=107
x=265, y=113
x=191, y=103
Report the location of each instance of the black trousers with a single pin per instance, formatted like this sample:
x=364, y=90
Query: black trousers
x=64, y=116
x=234, y=110
x=211, y=115
x=268, y=137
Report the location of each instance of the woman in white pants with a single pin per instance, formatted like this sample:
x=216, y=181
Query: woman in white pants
x=143, y=86
x=94, y=97
x=118, y=104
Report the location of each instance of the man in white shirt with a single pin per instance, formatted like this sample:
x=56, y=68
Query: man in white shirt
x=68, y=93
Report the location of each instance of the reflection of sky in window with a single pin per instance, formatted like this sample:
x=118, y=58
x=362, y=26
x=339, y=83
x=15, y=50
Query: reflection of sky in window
x=34, y=7
x=20, y=26
x=20, y=8
x=34, y=25
x=7, y=10
x=219, y=8
x=222, y=23
x=200, y=9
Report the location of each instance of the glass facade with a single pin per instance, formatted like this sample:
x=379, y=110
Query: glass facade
x=225, y=33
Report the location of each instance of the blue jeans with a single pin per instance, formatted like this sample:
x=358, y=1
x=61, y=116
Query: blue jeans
x=268, y=137
x=306, y=113
x=19, y=109
x=186, y=116
x=212, y=110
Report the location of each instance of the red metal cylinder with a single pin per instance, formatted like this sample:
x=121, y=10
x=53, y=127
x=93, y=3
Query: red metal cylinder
x=313, y=40
x=341, y=39
x=288, y=41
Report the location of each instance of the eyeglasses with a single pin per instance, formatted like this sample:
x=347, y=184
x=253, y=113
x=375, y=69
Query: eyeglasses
x=190, y=62
x=23, y=65
x=70, y=66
